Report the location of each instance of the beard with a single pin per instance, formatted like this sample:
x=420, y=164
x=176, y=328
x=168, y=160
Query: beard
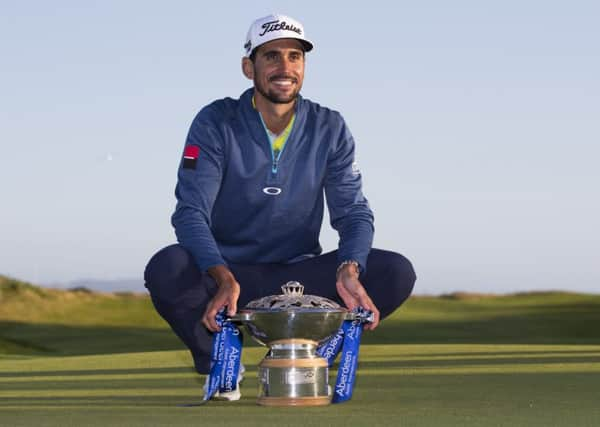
x=275, y=97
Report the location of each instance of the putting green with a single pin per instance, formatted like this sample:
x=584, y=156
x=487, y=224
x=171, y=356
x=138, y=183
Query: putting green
x=412, y=385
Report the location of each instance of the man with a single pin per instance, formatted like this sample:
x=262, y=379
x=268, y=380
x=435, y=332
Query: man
x=250, y=203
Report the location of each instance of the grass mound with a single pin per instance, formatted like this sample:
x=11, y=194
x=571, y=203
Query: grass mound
x=35, y=320
x=10, y=287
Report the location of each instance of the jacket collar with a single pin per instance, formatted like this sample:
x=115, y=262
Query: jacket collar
x=257, y=131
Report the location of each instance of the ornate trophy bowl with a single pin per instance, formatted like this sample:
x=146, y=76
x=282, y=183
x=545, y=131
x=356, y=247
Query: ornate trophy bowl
x=292, y=325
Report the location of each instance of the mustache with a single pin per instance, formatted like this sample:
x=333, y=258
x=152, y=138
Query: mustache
x=283, y=76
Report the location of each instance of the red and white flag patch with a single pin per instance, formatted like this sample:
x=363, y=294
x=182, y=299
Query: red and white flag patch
x=190, y=156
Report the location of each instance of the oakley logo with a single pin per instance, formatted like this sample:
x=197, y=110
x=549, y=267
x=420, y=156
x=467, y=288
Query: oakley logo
x=272, y=191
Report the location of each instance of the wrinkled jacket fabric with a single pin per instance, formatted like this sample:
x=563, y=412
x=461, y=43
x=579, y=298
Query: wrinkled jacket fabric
x=224, y=212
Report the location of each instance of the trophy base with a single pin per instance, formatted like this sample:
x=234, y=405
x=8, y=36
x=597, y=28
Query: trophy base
x=293, y=375
x=294, y=401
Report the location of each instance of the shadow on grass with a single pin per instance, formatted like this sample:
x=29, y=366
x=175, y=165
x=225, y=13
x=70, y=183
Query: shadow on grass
x=135, y=378
x=60, y=340
x=121, y=401
x=500, y=352
x=89, y=372
x=421, y=388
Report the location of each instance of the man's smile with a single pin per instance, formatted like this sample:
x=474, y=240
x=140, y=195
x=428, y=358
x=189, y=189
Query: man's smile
x=283, y=81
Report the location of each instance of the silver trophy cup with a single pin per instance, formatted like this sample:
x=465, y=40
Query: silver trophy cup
x=292, y=325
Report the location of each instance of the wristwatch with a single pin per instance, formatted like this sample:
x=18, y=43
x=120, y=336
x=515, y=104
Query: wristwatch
x=345, y=263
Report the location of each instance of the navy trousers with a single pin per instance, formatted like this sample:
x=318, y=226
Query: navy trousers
x=180, y=292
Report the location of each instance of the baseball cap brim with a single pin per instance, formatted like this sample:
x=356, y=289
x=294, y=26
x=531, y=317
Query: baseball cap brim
x=307, y=46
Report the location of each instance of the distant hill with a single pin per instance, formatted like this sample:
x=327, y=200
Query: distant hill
x=116, y=285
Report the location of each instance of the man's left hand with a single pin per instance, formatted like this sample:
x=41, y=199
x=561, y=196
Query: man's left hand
x=354, y=294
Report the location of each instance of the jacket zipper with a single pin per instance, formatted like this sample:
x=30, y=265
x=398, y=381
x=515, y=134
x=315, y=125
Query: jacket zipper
x=275, y=160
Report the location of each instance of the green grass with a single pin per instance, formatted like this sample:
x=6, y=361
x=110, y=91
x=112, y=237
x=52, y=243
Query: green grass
x=90, y=359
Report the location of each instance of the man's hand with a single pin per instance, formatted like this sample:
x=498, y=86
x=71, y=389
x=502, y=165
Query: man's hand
x=354, y=294
x=227, y=295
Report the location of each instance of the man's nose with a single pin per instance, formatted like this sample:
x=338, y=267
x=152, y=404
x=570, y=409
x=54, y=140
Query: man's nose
x=285, y=63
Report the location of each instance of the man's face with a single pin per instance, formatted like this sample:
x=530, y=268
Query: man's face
x=278, y=70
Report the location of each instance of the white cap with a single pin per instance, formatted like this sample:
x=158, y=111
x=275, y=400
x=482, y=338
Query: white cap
x=273, y=27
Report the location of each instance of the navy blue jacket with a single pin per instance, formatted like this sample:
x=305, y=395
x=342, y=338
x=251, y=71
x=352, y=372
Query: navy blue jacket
x=235, y=204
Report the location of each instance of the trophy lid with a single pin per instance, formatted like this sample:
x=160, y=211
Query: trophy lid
x=293, y=298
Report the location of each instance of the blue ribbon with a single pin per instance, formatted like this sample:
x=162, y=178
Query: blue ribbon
x=346, y=339
x=225, y=357
x=331, y=348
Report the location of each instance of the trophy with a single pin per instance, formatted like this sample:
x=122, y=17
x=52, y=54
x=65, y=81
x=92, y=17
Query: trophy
x=292, y=325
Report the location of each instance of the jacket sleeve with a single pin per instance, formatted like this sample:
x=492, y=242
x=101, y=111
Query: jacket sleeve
x=349, y=210
x=197, y=187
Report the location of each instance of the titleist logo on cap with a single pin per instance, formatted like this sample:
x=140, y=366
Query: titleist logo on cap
x=278, y=26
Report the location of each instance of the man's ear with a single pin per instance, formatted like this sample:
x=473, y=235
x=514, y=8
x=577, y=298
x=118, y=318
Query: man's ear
x=248, y=68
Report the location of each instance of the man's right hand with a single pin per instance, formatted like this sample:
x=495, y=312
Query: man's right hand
x=227, y=295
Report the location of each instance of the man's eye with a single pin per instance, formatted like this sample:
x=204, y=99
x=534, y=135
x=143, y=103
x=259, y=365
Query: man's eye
x=271, y=55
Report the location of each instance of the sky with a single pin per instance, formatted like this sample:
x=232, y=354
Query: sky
x=476, y=123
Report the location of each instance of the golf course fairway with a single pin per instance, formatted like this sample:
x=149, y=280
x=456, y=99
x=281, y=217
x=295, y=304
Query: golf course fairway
x=518, y=360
